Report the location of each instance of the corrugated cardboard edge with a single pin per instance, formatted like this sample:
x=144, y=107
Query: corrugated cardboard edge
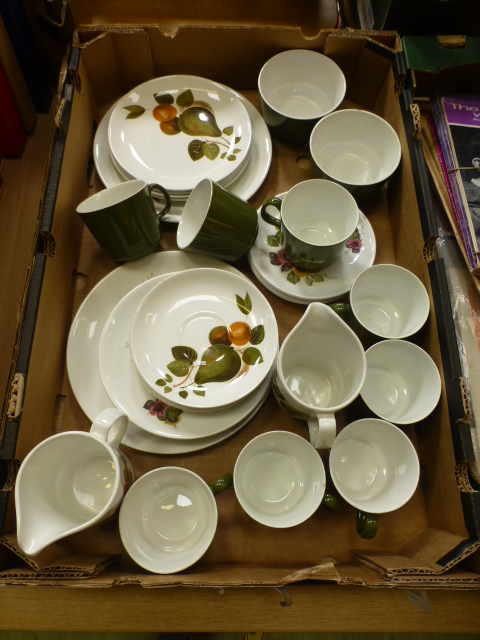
x=58, y=561
x=428, y=554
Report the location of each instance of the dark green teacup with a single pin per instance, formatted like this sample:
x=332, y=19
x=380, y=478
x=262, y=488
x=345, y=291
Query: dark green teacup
x=317, y=217
x=123, y=219
x=217, y=223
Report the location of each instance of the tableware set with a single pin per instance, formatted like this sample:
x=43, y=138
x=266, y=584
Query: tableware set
x=173, y=352
x=244, y=184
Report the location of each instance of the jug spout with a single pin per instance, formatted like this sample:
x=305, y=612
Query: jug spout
x=37, y=533
x=321, y=317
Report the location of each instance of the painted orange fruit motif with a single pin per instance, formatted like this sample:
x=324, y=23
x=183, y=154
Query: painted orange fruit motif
x=164, y=112
x=239, y=333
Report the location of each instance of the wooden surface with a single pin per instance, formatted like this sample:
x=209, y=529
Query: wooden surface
x=300, y=608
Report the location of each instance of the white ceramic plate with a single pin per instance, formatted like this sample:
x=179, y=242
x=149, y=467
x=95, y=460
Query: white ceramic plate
x=168, y=520
x=84, y=336
x=204, y=339
x=142, y=440
x=276, y=273
x=178, y=130
x=129, y=392
x=244, y=185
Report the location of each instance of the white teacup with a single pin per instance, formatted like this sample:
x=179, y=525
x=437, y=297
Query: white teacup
x=388, y=301
x=279, y=480
x=355, y=148
x=320, y=370
x=375, y=468
x=402, y=384
x=316, y=219
x=71, y=481
x=168, y=519
x=297, y=87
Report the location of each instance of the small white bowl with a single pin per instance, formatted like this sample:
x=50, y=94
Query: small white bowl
x=402, y=384
x=374, y=466
x=389, y=301
x=168, y=520
x=279, y=479
x=355, y=148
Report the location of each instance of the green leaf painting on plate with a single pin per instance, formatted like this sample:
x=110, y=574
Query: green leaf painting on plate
x=194, y=118
x=232, y=351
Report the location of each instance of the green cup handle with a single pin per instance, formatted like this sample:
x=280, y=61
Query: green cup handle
x=168, y=201
x=222, y=484
x=331, y=502
x=367, y=524
x=343, y=309
x=274, y=202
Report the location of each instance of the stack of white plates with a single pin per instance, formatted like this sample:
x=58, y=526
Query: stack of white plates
x=177, y=130
x=144, y=340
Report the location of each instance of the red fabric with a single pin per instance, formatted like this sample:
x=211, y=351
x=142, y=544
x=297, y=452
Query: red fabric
x=12, y=134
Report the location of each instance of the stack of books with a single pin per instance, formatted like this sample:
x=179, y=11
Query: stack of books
x=454, y=139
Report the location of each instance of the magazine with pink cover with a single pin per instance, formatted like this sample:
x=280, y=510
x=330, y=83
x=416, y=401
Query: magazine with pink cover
x=457, y=118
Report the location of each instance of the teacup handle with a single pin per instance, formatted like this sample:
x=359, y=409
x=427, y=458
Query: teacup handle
x=322, y=428
x=274, y=202
x=222, y=484
x=331, y=502
x=168, y=201
x=342, y=309
x=367, y=524
x=110, y=426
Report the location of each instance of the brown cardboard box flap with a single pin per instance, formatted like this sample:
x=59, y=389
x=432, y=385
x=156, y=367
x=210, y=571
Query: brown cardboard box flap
x=422, y=554
x=57, y=560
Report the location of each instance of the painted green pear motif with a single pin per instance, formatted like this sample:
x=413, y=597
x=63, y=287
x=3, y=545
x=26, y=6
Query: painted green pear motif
x=197, y=121
x=231, y=353
x=220, y=363
x=194, y=118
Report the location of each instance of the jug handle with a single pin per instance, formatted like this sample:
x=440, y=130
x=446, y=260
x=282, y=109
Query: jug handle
x=110, y=426
x=322, y=429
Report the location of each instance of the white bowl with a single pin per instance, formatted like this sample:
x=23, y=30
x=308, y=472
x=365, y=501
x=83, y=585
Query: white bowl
x=168, y=520
x=355, y=148
x=402, y=384
x=204, y=339
x=297, y=87
x=374, y=466
x=279, y=479
x=389, y=301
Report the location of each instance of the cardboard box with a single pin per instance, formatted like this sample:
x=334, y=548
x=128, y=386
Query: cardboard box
x=429, y=542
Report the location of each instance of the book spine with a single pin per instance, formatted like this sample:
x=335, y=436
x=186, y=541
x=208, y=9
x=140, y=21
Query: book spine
x=446, y=156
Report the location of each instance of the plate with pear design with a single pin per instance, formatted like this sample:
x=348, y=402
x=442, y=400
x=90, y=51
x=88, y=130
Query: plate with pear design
x=204, y=339
x=178, y=130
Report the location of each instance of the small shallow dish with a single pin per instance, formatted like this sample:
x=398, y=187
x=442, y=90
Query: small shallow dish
x=168, y=520
x=279, y=479
x=177, y=130
x=204, y=339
